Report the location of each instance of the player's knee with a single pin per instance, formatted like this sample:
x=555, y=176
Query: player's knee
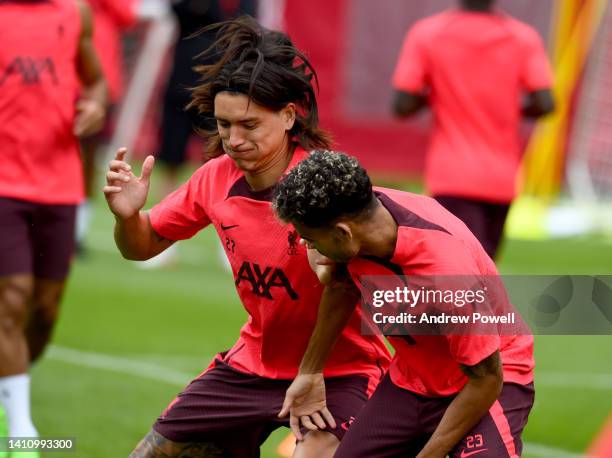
x=154, y=445
x=45, y=306
x=317, y=444
x=14, y=296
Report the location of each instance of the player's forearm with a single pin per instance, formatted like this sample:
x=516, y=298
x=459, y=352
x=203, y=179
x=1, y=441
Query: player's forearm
x=335, y=310
x=466, y=410
x=97, y=91
x=134, y=236
x=88, y=63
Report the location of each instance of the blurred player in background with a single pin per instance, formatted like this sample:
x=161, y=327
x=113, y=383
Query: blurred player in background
x=471, y=65
x=459, y=393
x=111, y=18
x=261, y=93
x=47, y=52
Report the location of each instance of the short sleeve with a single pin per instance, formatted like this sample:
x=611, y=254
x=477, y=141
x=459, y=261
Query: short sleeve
x=184, y=212
x=536, y=72
x=410, y=73
x=469, y=350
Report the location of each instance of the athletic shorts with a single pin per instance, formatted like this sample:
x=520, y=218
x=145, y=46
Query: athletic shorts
x=36, y=238
x=396, y=423
x=485, y=219
x=237, y=411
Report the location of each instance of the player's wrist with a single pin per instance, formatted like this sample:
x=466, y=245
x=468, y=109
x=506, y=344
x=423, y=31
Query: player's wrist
x=310, y=371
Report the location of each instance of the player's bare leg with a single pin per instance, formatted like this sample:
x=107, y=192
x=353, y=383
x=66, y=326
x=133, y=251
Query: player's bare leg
x=154, y=445
x=44, y=308
x=316, y=444
x=15, y=293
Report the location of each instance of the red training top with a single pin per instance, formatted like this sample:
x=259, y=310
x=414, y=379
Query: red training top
x=476, y=65
x=433, y=242
x=38, y=91
x=273, y=278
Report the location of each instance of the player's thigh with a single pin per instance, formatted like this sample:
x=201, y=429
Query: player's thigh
x=16, y=245
x=388, y=426
x=471, y=212
x=53, y=239
x=498, y=434
x=234, y=410
x=496, y=215
x=16, y=254
x=317, y=444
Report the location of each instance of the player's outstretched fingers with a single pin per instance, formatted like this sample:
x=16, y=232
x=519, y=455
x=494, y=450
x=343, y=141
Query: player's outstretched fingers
x=115, y=176
x=318, y=420
x=307, y=423
x=111, y=189
x=120, y=154
x=286, y=406
x=294, y=423
x=328, y=417
x=147, y=168
x=118, y=164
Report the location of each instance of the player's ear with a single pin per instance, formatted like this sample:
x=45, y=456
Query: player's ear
x=343, y=231
x=288, y=115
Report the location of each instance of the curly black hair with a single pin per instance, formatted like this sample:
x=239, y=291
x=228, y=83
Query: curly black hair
x=323, y=187
x=264, y=65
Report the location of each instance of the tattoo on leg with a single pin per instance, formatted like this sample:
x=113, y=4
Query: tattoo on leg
x=154, y=445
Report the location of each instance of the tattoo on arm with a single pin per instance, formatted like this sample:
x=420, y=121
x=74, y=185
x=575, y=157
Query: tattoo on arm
x=154, y=445
x=491, y=365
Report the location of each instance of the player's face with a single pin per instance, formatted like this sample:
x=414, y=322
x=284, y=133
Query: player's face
x=252, y=135
x=334, y=242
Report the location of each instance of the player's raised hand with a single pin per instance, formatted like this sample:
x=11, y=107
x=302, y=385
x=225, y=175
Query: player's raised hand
x=305, y=402
x=126, y=193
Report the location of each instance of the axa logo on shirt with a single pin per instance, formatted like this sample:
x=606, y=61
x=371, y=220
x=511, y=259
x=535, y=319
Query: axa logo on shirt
x=31, y=70
x=263, y=281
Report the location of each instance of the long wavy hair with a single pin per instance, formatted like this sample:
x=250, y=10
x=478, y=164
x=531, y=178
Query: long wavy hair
x=265, y=66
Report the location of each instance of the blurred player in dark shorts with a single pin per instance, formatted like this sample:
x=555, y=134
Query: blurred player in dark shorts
x=46, y=54
x=471, y=65
x=261, y=94
x=456, y=393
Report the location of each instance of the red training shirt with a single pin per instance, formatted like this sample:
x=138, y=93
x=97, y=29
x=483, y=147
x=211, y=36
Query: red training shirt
x=431, y=241
x=476, y=65
x=39, y=154
x=273, y=278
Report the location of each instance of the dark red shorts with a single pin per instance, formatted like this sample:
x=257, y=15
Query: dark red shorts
x=397, y=423
x=238, y=411
x=36, y=238
x=485, y=219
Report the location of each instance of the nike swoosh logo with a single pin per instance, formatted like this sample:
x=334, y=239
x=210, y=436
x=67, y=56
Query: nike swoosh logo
x=465, y=454
x=225, y=228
